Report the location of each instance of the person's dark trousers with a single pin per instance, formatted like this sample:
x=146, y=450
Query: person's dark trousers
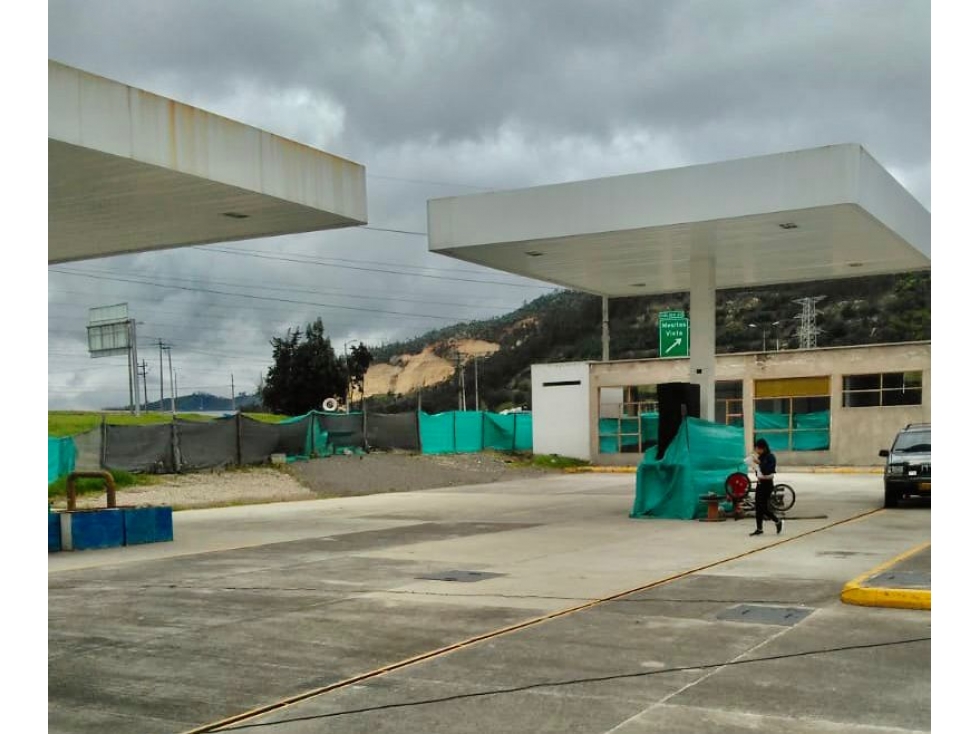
x=763, y=494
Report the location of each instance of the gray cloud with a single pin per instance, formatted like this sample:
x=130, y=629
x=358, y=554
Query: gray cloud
x=438, y=98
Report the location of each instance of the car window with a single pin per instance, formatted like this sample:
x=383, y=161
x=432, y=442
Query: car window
x=913, y=441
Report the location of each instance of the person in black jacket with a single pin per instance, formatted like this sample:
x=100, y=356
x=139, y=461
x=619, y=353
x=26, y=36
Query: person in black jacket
x=766, y=483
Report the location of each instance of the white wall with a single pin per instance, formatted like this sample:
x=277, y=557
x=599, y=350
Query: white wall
x=561, y=411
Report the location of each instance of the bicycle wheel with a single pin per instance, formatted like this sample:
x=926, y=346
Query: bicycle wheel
x=783, y=498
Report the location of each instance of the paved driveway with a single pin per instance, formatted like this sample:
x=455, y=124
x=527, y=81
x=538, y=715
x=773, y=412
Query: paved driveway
x=525, y=606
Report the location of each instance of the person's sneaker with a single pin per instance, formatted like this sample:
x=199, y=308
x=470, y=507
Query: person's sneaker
x=757, y=532
x=778, y=526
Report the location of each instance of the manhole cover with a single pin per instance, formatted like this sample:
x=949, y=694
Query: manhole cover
x=755, y=614
x=463, y=576
x=899, y=580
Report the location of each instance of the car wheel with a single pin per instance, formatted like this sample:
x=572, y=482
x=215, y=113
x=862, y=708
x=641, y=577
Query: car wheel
x=891, y=496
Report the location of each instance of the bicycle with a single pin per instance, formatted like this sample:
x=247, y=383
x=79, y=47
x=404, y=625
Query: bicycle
x=740, y=491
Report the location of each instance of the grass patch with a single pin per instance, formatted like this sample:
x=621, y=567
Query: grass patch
x=546, y=461
x=123, y=479
x=63, y=423
x=266, y=417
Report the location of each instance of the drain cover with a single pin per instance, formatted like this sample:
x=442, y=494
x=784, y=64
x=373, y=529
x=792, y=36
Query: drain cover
x=756, y=614
x=463, y=576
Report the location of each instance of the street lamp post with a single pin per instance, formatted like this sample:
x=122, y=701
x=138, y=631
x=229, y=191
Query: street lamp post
x=764, y=335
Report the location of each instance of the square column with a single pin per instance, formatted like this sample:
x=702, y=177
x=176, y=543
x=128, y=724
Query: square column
x=703, y=328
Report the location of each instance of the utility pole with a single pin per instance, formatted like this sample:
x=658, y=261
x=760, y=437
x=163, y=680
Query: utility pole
x=146, y=399
x=173, y=384
x=460, y=390
x=129, y=367
x=476, y=368
x=232, y=391
x=160, y=344
x=134, y=364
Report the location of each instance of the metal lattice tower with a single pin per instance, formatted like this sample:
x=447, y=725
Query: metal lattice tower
x=808, y=332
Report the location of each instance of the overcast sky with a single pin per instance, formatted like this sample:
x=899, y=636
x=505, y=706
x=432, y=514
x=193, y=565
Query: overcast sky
x=445, y=98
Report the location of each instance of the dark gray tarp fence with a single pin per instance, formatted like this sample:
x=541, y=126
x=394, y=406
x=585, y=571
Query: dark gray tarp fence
x=393, y=431
x=260, y=440
x=345, y=431
x=146, y=449
x=207, y=445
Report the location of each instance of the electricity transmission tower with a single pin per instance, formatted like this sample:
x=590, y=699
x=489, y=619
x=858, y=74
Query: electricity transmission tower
x=808, y=332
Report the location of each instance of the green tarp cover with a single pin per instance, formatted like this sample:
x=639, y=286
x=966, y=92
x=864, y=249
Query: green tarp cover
x=61, y=458
x=697, y=462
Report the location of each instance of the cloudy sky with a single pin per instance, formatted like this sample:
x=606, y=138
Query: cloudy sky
x=452, y=97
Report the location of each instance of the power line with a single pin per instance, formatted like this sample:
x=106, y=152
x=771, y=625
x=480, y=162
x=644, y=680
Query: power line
x=382, y=295
x=254, y=297
x=430, y=183
x=243, y=253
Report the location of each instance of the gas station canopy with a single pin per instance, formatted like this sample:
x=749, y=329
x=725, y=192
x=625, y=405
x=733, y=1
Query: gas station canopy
x=817, y=214
x=130, y=171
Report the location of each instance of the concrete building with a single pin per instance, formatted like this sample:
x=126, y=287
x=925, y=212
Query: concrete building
x=593, y=410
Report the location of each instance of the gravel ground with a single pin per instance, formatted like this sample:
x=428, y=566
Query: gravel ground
x=344, y=476
x=337, y=476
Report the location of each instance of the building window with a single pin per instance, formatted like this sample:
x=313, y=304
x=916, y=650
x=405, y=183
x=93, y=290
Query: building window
x=629, y=421
x=882, y=389
x=728, y=404
x=793, y=414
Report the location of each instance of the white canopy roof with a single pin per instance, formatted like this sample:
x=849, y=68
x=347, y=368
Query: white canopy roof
x=816, y=214
x=131, y=171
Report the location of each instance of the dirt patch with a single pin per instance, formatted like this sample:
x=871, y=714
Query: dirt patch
x=345, y=476
x=336, y=476
x=208, y=489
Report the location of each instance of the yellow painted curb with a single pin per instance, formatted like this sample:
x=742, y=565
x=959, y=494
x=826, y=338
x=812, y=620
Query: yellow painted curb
x=866, y=596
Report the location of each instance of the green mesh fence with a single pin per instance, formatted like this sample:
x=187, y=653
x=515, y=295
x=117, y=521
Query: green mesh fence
x=437, y=432
x=61, y=458
x=697, y=462
x=524, y=429
x=500, y=431
x=458, y=432
x=468, y=432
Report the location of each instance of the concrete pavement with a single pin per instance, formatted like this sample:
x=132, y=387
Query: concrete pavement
x=253, y=606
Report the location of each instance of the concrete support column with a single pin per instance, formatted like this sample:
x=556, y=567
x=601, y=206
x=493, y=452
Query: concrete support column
x=748, y=412
x=703, y=327
x=605, y=337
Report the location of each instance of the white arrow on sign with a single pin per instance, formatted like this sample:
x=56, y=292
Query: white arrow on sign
x=677, y=343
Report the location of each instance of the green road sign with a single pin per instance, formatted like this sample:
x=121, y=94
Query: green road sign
x=668, y=315
x=674, y=337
